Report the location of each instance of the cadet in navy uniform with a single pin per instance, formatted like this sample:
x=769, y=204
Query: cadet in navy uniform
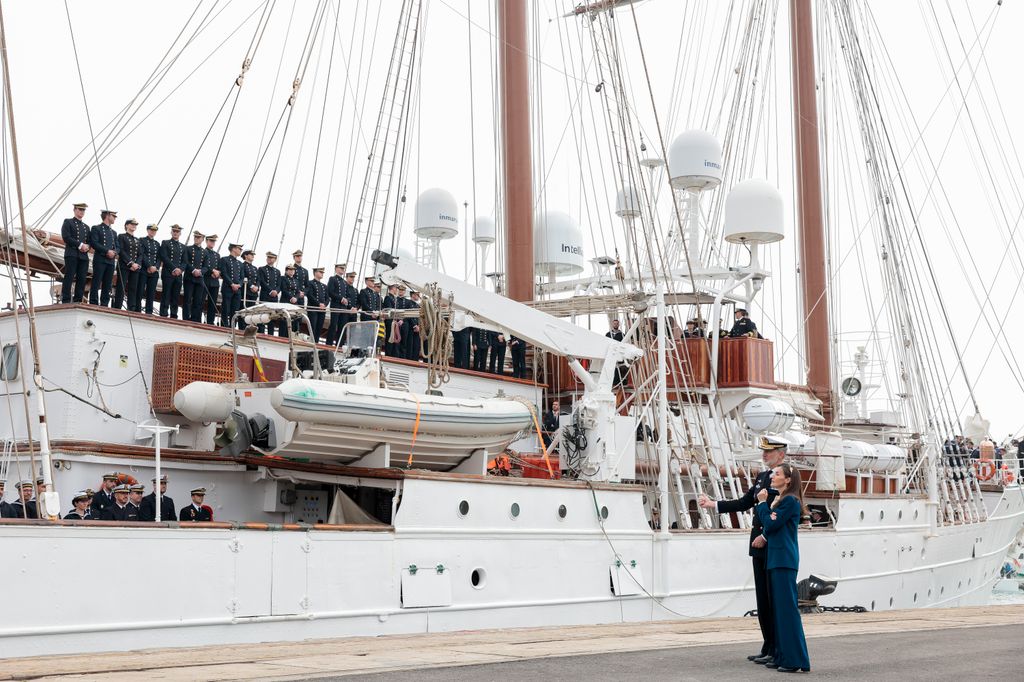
x=413, y=345
x=103, y=241
x=518, y=349
x=104, y=497
x=211, y=280
x=301, y=282
x=194, y=264
x=780, y=522
x=5, y=508
x=75, y=234
x=743, y=326
x=773, y=452
x=390, y=302
x=147, y=510
x=269, y=281
x=172, y=270
x=24, y=507
x=135, y=492
x=250, y=282
x=196, y=511
x=80, y=510
x=231, y=285
x=149, y=252
x=460, y=347
x=129, y=266
x=369, y=301
x=336, y=291
x=496, y=361
x=289, y=287
x=481, y=340
x=121, y=510
x=316, y=300
x=352, y=296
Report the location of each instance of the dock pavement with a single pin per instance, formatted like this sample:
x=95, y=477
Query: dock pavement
x=919, y=644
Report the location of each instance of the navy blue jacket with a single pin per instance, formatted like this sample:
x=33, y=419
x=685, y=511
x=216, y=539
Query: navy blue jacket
x=783, y=550
x=747, y=501
x=149, y=254
x=172, y=256
x=102, y=238
x=194, y=258
x=269, y=279
x=74, y=232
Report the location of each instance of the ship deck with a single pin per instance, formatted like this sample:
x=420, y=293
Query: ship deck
x=838, y=642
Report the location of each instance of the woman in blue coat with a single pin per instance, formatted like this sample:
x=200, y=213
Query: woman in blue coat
x=780, y=521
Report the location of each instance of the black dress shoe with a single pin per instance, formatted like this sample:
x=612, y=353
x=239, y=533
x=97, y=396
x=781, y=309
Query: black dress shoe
x=761, y=660
x=771, y=664
x=753, y=656
x=784, y=669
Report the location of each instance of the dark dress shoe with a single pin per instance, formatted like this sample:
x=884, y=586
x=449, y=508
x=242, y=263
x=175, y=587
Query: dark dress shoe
x=761, y=660
x=771, y=664
x=753, y=656
x=784, y=669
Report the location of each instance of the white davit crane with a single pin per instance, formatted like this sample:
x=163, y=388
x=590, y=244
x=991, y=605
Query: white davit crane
x=594, y=413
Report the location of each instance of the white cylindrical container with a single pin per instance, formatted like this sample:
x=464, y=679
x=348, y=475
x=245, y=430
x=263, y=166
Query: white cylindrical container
x=695, y=161
x=764, y=415
x=202, y=401
x=889, y=459
x=858, y=455
x=484, y=230
x=753, y=214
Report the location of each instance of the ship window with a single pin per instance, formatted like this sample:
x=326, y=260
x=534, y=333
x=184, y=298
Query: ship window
x=514, y=510
x=604, y=512
x=477, y=578
x=562, y=511
x=9, y=362
x=463, y=508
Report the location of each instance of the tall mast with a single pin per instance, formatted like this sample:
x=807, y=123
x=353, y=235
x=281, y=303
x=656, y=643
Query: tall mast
x=515, y=140
x=812, y=232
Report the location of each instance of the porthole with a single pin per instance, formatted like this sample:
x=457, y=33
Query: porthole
x=891, y=601
x=514, y=510
x=861, y=514
x=899, y=516
x=942, y=590
x=916, y=512
x=604, y=512
x=915, y=597
x=562, y=511
x=872, y=604
x=463, y=508
x=881, y=514
x=478, y=577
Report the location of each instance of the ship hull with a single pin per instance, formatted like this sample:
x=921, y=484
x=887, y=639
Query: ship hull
x=445, y=565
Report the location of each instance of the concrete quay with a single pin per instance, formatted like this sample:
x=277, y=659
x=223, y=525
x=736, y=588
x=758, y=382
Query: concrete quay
x=916, y=644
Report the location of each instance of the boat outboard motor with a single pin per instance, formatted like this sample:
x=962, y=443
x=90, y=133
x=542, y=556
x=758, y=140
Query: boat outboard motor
x=810, y=588
x=264, y=433
x=236, y=437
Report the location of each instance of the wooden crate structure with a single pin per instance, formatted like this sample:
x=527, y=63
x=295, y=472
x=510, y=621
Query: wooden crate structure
x=744, y=362
x=178, y=364
x=692, y=361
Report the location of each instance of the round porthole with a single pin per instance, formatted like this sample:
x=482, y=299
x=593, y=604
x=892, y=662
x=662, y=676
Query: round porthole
x=478, y=577
x=604, y=512
x=463, y=508
x=881, y=514
x=899, y=516
x=562, y=511
x=514, y=510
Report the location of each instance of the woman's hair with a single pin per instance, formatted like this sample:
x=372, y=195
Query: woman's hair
x=794, y=487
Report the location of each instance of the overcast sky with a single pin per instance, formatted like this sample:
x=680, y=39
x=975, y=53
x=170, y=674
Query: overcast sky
x=119, y=44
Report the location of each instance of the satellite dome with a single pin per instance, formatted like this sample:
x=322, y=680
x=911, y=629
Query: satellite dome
x=558, y=244
x=753, y=214
x=437, y=215
x=627, y=203
x=483, y=230
x=695, y=161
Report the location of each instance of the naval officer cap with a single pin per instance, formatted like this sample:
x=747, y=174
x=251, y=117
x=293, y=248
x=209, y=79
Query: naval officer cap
x=23, y=484
x=198, y=235
x=152, y=227
x=122, y=488
x=110, y=477
x=211, y=237
x=271, y=254
x=175, y=227
x=316, y=270
x=82, y=495
x=198, y=491
x=234, y=246
x=163, y=479
x=105, y=212
x=80, y=205
x=297, y=252
x=131, y=221
x=248, y=252
x=350, y=274
x=772, y=443
x=137, y=488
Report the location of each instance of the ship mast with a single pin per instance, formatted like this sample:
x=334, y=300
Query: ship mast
x=515, y=138
x=812, y=232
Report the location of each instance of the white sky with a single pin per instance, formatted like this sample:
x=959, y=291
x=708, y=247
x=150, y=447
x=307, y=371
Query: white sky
x=120, y=42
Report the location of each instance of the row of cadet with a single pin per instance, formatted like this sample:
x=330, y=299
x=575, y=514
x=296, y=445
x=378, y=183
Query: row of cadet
x=114, y=501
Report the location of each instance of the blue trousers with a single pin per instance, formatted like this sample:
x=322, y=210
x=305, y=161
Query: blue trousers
x=790, y=645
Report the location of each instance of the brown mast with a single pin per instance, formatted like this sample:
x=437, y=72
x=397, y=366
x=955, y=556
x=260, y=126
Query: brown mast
x=515, y=139
x=812, y=233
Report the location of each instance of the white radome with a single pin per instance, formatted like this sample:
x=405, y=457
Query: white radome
x=437, y=215
x=558, y=244
x=695, y=161
x=753, y=214
x=484, y=230
x=627, y=203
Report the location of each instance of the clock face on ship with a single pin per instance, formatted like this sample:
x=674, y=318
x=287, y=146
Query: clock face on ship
x=851, y=386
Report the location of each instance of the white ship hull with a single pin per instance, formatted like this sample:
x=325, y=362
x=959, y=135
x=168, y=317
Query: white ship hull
x=152, y=587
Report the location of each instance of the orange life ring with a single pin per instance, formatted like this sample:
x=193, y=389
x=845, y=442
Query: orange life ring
x=985, y=469
x=127, y=479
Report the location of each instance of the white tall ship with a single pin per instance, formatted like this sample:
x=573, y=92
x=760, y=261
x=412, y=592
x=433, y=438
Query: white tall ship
x=355, y=494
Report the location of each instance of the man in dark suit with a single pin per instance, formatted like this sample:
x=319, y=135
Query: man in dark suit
x=5, y=508
x=231, y=284
x=211, y=279
x=194, y=264
x=129, y=266
x=481, y=339
x=336, y=297
x=268, y=278
x=549, y=423
x=369, y=301
x=104, y=497
x=149, y=253
x=75, y=234
x=615, y=333
x=413, y=345
x=461, y=341
x=122, y=509
x=518, y=349
x=250, y=282
x=743, y=325
x=196, y=511
x=172, y=270
x=301, y=273
x=103, y=241
x=147, y=510
x=390, y=302
x=316, y=304
x=497, y=343
x=773, y=452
